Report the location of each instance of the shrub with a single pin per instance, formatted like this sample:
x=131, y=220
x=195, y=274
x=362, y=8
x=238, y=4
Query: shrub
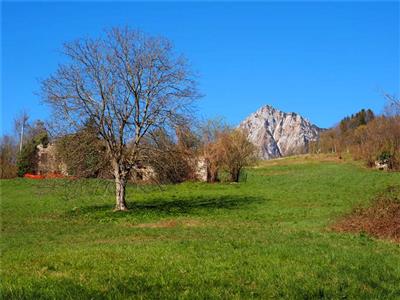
x=84, y=154
x=236, y=152
x=27, y=159
x=172, y=162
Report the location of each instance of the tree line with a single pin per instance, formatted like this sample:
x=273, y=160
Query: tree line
x=365, y=136
x=173, y=156
x=18, y=155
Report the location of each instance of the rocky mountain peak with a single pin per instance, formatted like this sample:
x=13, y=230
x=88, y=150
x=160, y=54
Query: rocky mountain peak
x=277, y=133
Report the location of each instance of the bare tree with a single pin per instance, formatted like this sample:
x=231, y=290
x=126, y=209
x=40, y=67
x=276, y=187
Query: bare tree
x=392, y=107
x=210, y=132
x=20, y=124
x=8, y=157
x=236, y=152
x=128, y=84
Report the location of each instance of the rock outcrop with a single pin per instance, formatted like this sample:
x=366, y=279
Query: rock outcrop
x=277, y=133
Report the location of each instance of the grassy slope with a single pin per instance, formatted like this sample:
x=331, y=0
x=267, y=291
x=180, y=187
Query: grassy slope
x=265, y=238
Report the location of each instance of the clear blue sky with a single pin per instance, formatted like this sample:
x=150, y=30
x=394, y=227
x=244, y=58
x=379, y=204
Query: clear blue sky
x=322, y=60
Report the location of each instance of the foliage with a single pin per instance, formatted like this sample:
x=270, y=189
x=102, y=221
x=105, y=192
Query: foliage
x=225, y=149
x=210, y=152
x=266, y=238
x=363, y=117
x=173, y=158
x=365, y=137
x=381, y=140
x=84, y=153
x=235, y=152
x=27, y=159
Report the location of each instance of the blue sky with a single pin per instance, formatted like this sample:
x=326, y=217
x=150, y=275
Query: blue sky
x=322, y=60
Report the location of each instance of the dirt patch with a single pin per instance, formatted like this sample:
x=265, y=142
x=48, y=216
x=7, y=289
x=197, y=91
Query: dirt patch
x=381, y=219
x=192, y=223
x=169, y=224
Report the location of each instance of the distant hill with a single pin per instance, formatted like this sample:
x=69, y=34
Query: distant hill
x=277, y=133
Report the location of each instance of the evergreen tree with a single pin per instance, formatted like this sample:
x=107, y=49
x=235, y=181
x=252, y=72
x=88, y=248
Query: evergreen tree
x=27, y=159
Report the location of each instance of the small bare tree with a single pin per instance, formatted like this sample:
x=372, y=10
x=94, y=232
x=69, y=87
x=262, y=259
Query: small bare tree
x=128, y=84
x=210, y=131
x=8, y=157
x=235, y=152
x=20, y=124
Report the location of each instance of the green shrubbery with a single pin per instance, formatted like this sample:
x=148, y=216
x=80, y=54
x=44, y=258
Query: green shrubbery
x=84, y=153
x=27, y=159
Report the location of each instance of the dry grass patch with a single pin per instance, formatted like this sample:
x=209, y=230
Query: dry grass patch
x=302, y=159
x=381, y=219
x=160, y=224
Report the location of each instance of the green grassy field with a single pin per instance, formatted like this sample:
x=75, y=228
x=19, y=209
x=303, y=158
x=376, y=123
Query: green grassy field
x=268, y=237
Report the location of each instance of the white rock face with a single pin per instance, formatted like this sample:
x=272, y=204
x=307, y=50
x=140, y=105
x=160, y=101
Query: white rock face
x=277, y=133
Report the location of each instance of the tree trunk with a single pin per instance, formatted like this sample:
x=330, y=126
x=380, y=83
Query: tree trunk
x=212, y=173
x=235, y=174
x=120, y=188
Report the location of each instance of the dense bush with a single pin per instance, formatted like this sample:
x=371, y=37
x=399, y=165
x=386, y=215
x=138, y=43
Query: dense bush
x=84, y=154
x=225, y=149
x=27, y=160
x=236, y=152
x=173, y=157
x=378, y=141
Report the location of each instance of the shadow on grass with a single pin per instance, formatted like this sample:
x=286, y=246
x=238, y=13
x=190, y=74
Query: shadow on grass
x=196, y=205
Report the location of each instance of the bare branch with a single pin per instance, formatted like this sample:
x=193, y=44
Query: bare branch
x=127, y=84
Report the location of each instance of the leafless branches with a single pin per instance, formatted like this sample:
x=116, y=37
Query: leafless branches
x=128, y=84
x=392, y=107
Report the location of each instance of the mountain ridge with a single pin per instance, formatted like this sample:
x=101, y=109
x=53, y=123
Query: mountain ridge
x=277, y=133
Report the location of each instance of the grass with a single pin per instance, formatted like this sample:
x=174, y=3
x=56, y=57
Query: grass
x=267, y=237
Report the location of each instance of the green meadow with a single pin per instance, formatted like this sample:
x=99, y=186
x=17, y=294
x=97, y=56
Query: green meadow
x=266, y=237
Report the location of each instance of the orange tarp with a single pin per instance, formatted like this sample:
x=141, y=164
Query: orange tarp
x=49, y=175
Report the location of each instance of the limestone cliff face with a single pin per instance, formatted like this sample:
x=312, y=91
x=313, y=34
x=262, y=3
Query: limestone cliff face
x=277, y=133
